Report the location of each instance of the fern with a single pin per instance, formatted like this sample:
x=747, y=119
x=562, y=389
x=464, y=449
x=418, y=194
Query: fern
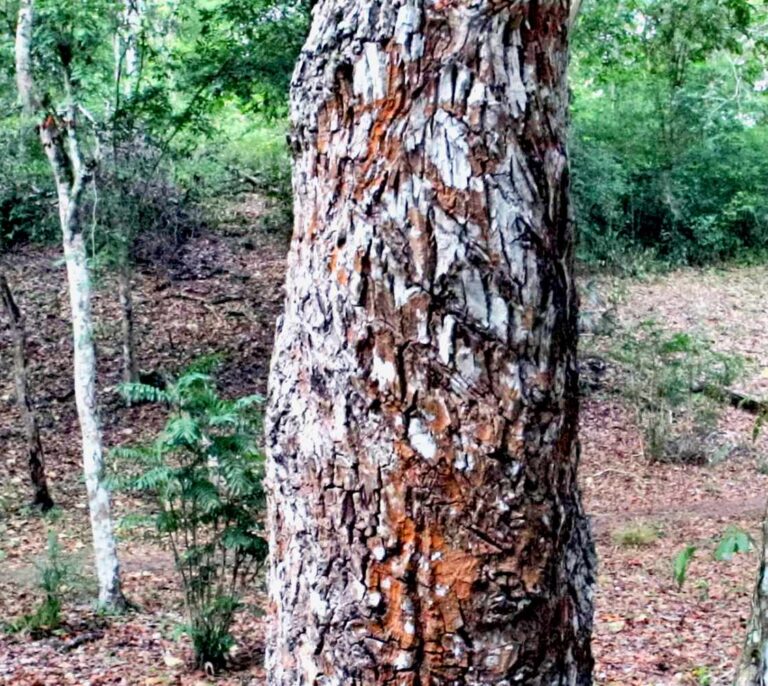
x=205, y=472
x=143, y=393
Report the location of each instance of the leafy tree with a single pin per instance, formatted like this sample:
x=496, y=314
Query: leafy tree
x=57, y=43
x=668, y=124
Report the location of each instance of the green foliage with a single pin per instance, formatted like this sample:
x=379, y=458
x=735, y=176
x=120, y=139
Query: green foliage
x=27, y=198
x=196, y=118
x=681, y=563
x=140, y=213
x=253, y=158
x=268, y=36
x=665, y=378
x=54, y=573
x=204, y=472
x=759, y=425
x=733, y=542
x=669, y=121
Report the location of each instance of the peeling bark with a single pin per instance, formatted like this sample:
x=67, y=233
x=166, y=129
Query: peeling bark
x=35, y=457
x=58, y=134
x=426, y=525
x=753, y=670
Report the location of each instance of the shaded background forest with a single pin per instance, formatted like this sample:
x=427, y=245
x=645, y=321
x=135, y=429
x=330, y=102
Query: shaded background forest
x=668, y=125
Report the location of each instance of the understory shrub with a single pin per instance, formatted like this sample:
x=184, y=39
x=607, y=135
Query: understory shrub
x=138, y=211
x=54, y=573
x=666, y=379
x=27, y=196
x=256, y=160
x=668, y=132
x=708, y=205
x=204, y=473
x=734, y=541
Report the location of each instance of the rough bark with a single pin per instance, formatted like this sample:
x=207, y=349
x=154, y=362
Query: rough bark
x=426, y=525
x=59, y=136
x=125, y=289
x=753, y=670
x=41, y=498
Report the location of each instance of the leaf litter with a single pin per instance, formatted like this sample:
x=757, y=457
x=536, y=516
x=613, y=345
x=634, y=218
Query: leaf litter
x=222, y=295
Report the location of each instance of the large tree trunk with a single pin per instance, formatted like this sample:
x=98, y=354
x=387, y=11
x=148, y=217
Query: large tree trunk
x=426, y=525
x=59, y=138
x=753, y=670
x=35, y=457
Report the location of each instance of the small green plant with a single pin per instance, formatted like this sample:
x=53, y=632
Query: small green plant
x=637, y=536
x=53, y=572
x=702, y=586
x=205, y=473
x=733, y=542
x=759, y=424
x=681, y=563
x=666, y=378
x=703, y=675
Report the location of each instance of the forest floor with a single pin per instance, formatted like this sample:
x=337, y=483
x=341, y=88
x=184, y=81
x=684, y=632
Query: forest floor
x=222, y=293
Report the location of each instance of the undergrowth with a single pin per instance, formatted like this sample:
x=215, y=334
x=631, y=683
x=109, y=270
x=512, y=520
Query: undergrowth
x=54, y=575
x=204, y=472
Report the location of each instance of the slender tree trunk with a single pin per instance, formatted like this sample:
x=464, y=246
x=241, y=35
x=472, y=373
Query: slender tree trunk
x=132, y=18
x=99, y=506
x=753, y=670
x=35, y=457
x=127, y=73
x=426, y=525
x=125, y=289
x=576, y=6
x=59, y=137
x=126, y=46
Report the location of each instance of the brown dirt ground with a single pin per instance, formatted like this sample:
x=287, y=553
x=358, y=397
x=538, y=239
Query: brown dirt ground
x=222, y=293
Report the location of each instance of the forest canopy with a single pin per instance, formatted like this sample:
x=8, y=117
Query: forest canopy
x=669, y=130
x=668, y=115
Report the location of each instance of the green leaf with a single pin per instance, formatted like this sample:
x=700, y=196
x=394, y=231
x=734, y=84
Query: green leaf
x=143, y=393
x=681, y=564
x=734, y=541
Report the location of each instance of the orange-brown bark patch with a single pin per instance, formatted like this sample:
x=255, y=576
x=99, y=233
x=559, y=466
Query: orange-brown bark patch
x=313, y=225
x=458, y=571
x=403, y=450
x=341, y=274
x=441, y=418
